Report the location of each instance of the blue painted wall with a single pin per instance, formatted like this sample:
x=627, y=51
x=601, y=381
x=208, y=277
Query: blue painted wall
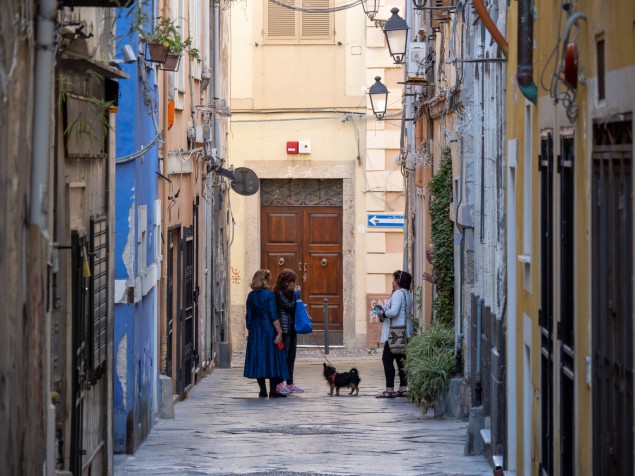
x=135, y=370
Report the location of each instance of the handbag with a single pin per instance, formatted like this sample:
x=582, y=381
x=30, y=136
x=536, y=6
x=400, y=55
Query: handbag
x=397, y=339
x=398, y=336
x=302, y=320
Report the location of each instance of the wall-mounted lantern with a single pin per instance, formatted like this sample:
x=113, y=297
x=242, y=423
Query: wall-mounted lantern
x=378, y=94
x=396, y=31
x=371, y=8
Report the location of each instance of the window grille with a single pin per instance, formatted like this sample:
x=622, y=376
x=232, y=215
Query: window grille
x=98, y=294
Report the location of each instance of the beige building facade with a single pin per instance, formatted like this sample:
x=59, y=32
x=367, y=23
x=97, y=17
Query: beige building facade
x=331, y=189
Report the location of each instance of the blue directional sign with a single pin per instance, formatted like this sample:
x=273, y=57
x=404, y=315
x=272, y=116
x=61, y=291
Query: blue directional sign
x=384, y=220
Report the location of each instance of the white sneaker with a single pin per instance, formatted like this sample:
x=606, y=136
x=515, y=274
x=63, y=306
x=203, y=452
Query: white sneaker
x=294, y=388
x=283, y=389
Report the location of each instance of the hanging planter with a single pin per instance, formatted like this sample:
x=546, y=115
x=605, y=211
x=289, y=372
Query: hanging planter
x=156, y=52
x=168, y=44
x=171, y=63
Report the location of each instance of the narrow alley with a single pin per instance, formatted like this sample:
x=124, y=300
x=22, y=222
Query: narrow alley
x=224, y=428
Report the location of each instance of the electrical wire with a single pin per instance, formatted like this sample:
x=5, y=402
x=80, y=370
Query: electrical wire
x=129, y=158
x=336, y=8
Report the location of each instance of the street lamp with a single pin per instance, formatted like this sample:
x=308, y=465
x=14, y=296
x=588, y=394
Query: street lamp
x=396, y=31
x=419, y=4
x=378, y=94
x=370, y=12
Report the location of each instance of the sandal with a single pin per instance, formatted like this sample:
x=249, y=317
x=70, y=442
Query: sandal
x=401, y=393
x=386, y=395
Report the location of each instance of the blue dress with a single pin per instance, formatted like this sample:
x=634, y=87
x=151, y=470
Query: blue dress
x=263, y=359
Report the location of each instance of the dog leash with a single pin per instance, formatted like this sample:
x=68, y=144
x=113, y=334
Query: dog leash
x=320, y=349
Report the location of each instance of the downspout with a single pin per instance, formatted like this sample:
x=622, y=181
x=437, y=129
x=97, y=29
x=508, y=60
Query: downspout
x=409, y=168
x=482, y=12
x=165, y=225
x=44, y=59
x=478, y=389
x=205, y=98
x=525, y=67
x=216, y=71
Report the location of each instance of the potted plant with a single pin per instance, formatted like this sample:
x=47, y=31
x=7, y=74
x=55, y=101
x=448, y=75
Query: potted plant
x=176, y=46
x=166, y=45
x=158, y=40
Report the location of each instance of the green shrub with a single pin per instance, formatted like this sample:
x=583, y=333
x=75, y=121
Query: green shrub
x=429, y=363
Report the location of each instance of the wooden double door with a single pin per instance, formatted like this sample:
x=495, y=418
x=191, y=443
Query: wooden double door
x=308, y=240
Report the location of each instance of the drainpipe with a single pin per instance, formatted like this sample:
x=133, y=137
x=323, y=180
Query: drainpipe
x=42, y=113
x=525, y=67
x=482, y=12
x=165, y=190
x=410, y=168
x=479, y=319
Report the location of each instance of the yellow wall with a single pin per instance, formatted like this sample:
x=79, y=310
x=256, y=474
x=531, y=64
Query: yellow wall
x=613, y=22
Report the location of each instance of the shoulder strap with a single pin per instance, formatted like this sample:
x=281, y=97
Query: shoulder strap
x=405, y=303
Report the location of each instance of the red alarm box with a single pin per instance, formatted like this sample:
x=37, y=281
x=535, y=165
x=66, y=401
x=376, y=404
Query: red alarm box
x=293, y=147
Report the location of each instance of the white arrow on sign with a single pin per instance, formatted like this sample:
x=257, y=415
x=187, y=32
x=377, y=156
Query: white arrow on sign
x=386, y=220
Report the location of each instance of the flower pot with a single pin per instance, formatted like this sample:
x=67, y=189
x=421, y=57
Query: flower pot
x=156, y=52
x=171, y=62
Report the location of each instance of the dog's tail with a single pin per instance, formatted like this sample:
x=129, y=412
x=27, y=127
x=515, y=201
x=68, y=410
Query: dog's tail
x=354, y=371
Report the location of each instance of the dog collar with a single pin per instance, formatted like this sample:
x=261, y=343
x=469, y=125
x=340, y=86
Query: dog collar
x=332, y=377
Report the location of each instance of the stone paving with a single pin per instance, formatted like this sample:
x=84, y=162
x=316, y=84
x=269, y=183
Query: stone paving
x=223, y=428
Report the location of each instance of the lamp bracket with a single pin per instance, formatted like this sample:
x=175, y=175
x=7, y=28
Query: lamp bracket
x=380, y=23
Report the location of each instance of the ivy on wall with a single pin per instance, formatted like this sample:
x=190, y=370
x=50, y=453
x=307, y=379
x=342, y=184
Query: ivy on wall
x=443, y=240
x=430, y=357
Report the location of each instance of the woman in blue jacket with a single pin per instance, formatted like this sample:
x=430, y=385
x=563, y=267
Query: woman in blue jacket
x=263, y=358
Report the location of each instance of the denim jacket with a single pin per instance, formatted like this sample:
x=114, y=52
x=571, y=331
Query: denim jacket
x=397, y=312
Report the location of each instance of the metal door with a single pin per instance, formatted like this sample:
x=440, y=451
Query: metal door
x=302, y=231
x=546, y=302
x=169, y=302
x=567, y=307
x=80, y=275
x=187, y=312
x=612, y=298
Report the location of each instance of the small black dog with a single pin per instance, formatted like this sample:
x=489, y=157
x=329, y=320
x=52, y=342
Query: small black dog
x=336, y=380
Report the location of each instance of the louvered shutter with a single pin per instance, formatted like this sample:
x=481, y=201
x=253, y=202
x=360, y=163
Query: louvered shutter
x=316, y=25
x=280, y=20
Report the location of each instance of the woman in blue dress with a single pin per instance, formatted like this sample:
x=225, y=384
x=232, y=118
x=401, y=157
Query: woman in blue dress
x=263, y=358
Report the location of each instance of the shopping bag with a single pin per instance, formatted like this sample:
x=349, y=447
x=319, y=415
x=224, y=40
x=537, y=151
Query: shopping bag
x=302, y=319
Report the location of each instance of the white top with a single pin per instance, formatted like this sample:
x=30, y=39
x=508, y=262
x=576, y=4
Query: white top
x=395, y=313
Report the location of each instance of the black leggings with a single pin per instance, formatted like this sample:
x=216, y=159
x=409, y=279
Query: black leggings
x=388, y=359
x=291, y=349
x=273, y=382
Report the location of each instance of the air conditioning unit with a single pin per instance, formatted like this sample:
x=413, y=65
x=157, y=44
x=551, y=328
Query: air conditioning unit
x=417, y=53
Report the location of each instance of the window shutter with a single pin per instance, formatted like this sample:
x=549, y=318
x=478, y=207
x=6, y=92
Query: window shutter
x=316, y=25
x=280, y=20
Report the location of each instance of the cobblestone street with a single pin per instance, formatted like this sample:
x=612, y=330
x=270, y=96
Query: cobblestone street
x=224, y=428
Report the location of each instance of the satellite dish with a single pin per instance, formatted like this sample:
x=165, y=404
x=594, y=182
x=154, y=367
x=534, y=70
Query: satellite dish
x=245, y=182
